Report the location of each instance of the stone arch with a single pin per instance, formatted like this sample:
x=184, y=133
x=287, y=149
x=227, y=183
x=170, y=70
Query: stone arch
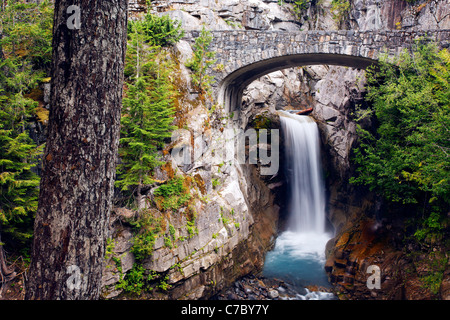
x=231, y=88
x=247, y=55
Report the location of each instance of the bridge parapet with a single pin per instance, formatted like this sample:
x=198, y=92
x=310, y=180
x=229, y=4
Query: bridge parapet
x=248, y=55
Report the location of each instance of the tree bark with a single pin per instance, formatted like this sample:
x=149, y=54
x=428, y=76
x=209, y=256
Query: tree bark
x=2, y=8
x=304, y=112
x=76, y=189
x=6, y=274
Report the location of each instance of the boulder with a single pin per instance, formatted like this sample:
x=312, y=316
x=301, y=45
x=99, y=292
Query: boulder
x=273, y=294
x=188, y=22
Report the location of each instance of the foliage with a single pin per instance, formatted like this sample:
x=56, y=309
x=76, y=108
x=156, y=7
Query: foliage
x=436, y=266
x=147, y=116
x=340, y=9
x=190, y=223
x=172, y=238
x=233, y=24
x=407, y=159
x=148, y=108
x=134, y=280
x=27, y=32
x=430, y=268
x=168, y=242
x=173, y=194
x=203, y=59
x=300, y=6
x=147, y=228
x=431, y=228
x=18, y=183
x=170, y=188
x=191, y=228
x=138, y=280
x=143, y=245
x=163, y=285
x=26, y=50
x=215, y=182
x=159, y=30
x=261, y=121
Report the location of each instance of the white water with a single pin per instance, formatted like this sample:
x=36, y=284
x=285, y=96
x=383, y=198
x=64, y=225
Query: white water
x=304, y=174
x=299, y=253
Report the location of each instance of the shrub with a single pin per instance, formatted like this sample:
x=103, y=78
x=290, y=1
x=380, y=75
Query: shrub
x=134, y=280
x=173, y=194
x=407, y=158
x=340, y=9
x=203, y=59
x=159, y=30
x=25, y=54
x=147, y=229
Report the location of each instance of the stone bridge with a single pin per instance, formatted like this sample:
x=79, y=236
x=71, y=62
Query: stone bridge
x=243, y=56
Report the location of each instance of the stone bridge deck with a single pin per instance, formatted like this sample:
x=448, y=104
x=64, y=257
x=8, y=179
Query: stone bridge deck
x=248, y=55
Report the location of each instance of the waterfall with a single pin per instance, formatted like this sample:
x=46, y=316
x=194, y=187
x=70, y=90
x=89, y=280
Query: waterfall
x=304, y=174
x=299, y=253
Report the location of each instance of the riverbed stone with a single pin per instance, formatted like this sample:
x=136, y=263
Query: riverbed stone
x=273, y=294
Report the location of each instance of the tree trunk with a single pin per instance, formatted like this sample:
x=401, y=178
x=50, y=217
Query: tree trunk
x=6, y=274
x=2, y=8
x=305, y=112
x=77, y=183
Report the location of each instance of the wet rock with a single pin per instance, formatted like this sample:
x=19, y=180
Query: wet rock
x=232, y=296
x=273, y=294
x=260, y=288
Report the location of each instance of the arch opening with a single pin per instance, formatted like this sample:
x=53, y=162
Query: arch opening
x=231, y=88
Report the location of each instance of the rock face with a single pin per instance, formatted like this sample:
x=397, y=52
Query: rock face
x=403, y=274
x=397, y=14
x=221, y=235
x=269, y=15
x=379, y=15
x=230, y=14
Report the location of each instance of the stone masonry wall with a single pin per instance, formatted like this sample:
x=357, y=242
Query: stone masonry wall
x=237, y=49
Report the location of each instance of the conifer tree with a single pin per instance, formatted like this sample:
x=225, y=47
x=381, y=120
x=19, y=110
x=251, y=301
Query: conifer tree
x=202, y=60
x=405, y=158
x=147, y=111
x=18, y=156
x=26, y=51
